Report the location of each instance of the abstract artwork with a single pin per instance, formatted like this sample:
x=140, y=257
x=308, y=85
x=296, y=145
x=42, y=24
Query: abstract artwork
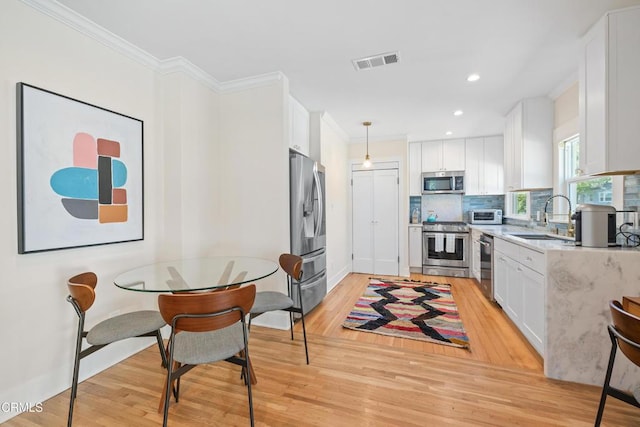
x=80, y=173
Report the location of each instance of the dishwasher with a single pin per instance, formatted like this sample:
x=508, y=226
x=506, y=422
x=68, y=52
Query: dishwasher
x=486, y=266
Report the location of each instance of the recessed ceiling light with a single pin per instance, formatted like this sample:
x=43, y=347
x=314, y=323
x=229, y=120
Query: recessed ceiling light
x=448, y=133
x=473, y=78
x=458, y=113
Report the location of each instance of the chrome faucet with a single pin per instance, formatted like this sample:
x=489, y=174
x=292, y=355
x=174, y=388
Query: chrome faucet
x=570, y=227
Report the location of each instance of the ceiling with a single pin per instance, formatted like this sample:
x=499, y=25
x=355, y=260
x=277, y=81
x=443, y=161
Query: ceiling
x=520, y=48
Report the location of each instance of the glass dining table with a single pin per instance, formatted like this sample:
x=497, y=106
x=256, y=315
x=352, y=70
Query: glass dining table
x=196, y=274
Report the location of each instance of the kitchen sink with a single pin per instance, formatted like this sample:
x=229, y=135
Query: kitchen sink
x=539, y=236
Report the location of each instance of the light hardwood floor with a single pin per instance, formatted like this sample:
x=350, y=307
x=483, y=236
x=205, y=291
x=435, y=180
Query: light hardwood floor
x=354, y=379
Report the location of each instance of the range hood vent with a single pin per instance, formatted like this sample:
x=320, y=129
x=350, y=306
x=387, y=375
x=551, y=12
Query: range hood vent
x=376, y=60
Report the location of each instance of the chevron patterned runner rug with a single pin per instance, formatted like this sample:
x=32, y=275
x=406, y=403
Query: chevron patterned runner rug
x=416, y=310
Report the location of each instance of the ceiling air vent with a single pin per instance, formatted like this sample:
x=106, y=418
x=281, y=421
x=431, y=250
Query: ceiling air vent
x=376, y=60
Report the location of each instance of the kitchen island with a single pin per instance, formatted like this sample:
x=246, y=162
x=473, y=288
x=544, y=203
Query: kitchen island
x=578, y=285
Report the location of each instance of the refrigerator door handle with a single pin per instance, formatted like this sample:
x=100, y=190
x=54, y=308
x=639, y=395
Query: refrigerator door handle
x=306, y=260
x=316, y=177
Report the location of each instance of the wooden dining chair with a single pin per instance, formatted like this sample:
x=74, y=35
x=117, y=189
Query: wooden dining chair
x=206, y=327
x=272, y=301
x=624, y=334
x=144, y=323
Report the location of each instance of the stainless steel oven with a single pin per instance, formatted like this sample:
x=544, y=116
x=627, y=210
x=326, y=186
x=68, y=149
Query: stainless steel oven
x=445, y=249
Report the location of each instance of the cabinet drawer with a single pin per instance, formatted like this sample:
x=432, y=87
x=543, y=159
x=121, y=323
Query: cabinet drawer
x=507, y=248
x=532, y=259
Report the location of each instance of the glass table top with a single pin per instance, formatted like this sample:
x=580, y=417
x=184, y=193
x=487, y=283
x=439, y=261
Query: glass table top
x=197, y=274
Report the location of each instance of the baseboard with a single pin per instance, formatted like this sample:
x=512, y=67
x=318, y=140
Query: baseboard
x=274, y=320
x=337, y=278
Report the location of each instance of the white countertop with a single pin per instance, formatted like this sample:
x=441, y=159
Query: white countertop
x=503, y=232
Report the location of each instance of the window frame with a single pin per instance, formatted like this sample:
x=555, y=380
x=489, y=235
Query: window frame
x=510, y=212
x=564, y=182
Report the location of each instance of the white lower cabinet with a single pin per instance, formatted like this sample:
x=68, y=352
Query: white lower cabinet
x=500, y=277
x=533, y=312
x=415, y=246
x=515, y=294
x=474, y=264
x=519, y=288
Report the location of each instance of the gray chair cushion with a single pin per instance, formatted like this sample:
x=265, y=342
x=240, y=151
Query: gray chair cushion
x=636, y=393
x=270, y=301
x=206, y=347
x=124, y=326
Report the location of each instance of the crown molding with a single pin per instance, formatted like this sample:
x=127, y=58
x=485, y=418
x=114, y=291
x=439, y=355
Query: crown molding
x=326, y=118
x=87, y=27
x=179, y=64
x=252, y=82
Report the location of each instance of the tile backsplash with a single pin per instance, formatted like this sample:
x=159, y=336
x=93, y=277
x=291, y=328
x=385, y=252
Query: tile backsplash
x=447, y=207
x=481, y=202
x=631, y=192
x=454, y=207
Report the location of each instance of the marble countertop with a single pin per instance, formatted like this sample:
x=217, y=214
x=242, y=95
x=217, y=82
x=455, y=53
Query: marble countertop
x=579, y=283
x=567, y=244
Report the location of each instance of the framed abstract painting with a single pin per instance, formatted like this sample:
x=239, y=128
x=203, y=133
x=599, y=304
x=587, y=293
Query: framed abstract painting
x=80, y=173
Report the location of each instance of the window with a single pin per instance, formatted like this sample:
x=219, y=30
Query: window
x=518, y=204
x=579, y=189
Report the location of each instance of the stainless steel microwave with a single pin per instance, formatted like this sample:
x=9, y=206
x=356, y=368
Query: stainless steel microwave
x=443, y=182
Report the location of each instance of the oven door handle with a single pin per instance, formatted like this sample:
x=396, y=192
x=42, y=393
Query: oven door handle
x=432, y=234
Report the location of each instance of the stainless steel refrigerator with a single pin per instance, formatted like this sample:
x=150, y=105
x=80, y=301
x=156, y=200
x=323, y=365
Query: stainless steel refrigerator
x=308, y=226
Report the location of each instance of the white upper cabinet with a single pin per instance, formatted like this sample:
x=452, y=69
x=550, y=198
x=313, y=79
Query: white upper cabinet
x=299, y=127
x=484, y=166
x=528, y=155
x=610, y=94
x=443, y=155
x=415, y=169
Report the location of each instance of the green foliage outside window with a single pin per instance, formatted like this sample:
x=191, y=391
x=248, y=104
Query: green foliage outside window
x=595, y=190
x=521, y=203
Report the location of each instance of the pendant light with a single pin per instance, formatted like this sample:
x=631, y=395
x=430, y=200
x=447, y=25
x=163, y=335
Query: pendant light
x=367, y=159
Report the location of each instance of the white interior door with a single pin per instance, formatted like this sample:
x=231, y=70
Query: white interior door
x=385, y=222
x=375, y=222
x=362, y=185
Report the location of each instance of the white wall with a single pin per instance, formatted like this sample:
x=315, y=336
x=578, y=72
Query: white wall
x=334, y=157
x=253, y=175
x=215, y=174
x=199, y=178
x=191, y=158
x=39, y=325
